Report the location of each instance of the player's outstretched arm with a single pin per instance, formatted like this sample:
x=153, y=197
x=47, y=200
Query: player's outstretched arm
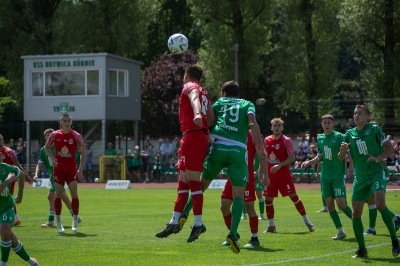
x=37, y=171
x=343, y=150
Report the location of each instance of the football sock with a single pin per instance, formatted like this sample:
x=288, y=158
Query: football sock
x=253, y=222
x=175, y=217
x=373, y=213
x=197, y=201
x=5, y=250
x=237, y=207
x=269, y=208
x=299, y=205
x=51, y=216
x=359, y=232
x=20, y=251
x=348, y=212
x=387, y=219
x=324, y=203
x=305, y=219
x=71, y=212
x=228, y=220
x=57, y=206
x=261, y=205
x=183, y=194
x=271, y=222
x=188, y=206
x=340, y=230
x=335, y=218
x=74, y=206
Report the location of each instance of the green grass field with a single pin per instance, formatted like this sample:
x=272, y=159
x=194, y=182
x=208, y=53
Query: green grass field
x=119, y=228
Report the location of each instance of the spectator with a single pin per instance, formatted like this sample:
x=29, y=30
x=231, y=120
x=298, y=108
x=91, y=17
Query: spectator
x=160, y=143
x=157, y=170
x=304, y=143
x=349, y=125
x=144, y=158
x=397, y=156
x=110, y=167
x=312, y=153
x=390, y=138
x=300, y=156
x=36, y=154
x=314, y=142
x=87, y=168
x=166, y=152
x=119, y=158
x=150, y=156
x=12, y=145
x=20, y=154
x=129, y=164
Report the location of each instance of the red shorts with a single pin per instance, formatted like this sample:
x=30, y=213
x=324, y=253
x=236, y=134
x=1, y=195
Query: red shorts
x=249, y=193
x=62, y=176
x=193, y=151
x=284, y=184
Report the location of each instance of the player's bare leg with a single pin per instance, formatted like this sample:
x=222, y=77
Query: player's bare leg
x=58, y=206
x=73, y=189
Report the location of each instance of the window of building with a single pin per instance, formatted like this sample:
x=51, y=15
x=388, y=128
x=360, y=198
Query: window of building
x=118, y=82
x=65, y=83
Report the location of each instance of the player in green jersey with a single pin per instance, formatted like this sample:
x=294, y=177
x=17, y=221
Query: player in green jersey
x=333, y=172
x=9, y=240
x=44, y=159
x=234, y=117
x=372, y=211
x=364, y=142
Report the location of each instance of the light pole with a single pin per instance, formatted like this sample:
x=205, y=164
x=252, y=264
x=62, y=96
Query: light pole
x=358, y=60
x=261, y=102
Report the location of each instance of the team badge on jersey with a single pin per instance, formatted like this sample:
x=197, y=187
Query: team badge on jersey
x=71, y=141
x=2, y=172
x=277, y=146
x=367, y=132
x=334, y=140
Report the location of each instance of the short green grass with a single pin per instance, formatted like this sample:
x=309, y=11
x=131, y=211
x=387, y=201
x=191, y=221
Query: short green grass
x=119, y=228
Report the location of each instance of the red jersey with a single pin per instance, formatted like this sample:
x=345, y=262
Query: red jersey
x=186, y=114
x=277, y=152
x=66, y=146
x=251, y=153
x=8, y=155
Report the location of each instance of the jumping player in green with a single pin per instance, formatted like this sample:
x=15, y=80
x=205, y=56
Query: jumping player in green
x=333, y=173
x=364, y=142
x=234, y=116
x=8, y=174
x=44, y=159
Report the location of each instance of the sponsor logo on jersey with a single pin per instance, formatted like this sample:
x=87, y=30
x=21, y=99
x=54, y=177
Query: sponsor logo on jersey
x=64, y=152
x=228, y=127
x=272, y=159
x=362, y=147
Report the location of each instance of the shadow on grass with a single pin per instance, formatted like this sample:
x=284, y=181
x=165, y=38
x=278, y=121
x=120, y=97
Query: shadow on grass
x=263, y=249
x=74, y=234
x=375, y=260
x=295, y=233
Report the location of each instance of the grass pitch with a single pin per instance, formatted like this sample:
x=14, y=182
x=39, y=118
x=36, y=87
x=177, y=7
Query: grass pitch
x=119, y=228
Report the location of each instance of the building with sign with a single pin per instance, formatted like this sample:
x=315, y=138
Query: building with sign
x=89, y=87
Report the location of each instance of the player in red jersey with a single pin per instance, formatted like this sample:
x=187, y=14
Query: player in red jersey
x=249, y=196
x=280, y=154
x=8, y=156
x=195, y=115
x=66, y=142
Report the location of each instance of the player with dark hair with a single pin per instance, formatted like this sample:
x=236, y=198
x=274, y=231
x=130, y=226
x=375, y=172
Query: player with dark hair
x=365, y=142
x=66, y=142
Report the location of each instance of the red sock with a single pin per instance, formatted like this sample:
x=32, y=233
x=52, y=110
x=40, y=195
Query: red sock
x=57, y=206
x=197, y=197
x=183, y=195
x=75, y=206
x=269, y=209
x=299, y=205
x=253, y=221
x=228, y=221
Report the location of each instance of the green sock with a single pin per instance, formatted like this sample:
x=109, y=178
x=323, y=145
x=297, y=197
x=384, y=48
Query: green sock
x=237, y=207
x=261, y=205
x=348, y=212
x=335, y=218
x=359, y=232
x=20, y=251
x=244, y=210
x=387, y=218
x=373, y=213
x=5, y=250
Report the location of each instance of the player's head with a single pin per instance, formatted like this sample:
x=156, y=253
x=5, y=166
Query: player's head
x=230, y=89
x=327, y=122
x=193, y=73
x=277, y=126
x=47, y=133
x=361, y=114
x=66, y=121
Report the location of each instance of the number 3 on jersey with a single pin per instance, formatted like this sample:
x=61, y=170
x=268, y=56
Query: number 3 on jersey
x=204, y=104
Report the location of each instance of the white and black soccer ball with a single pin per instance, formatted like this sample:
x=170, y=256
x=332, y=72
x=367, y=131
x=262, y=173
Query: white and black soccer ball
x=97, y=180
x=178, y=43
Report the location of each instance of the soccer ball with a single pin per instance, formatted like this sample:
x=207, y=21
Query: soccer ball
x=96, y=180
x=178, y=43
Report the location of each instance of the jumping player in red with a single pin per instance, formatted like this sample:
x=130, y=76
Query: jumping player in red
x=195, y=115
x=280, y=154
x=66, y=142
x=9, y=157
x=249, y=196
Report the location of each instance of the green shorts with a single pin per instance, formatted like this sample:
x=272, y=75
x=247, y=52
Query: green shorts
x=365, y=188
x=53, y=188
x=232, y=157
x=259, y=186
x=7, y=216
x=333, y=188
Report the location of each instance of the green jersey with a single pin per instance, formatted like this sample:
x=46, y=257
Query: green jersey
x=43, y=158
x=363, y=144
x=328, y=149
x=136, y=161
x=232, y=121
x=6, y=199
